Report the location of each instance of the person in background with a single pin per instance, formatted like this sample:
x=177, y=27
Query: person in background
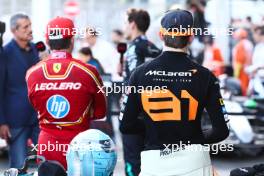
x=108, y=56
x=213, y=59
x=18, y=120
x=257, y=58
x=197, y=50
x=117, y=36
x=2, y=88
x=256, y=69
x=242, y=56
x=139, y=49
x=249, y=27
x=86, y=55
x=102, y=50
x=197, y=8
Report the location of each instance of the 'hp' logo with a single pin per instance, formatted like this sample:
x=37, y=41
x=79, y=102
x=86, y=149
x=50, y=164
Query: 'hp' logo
x=58, y=106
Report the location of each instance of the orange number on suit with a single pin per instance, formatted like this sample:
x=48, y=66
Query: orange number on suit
x=164, y=105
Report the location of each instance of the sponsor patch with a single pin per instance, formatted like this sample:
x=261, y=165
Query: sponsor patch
x=171, y=74
x=221, y=101
x=58, y=106
x=56, y=67
x=58, y=86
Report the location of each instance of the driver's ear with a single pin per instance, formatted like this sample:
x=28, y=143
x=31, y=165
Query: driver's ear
x=191, y=38
x=161, y=36
x=133, y=25
x=47, y=42
x=72, y=44
x=72, y=41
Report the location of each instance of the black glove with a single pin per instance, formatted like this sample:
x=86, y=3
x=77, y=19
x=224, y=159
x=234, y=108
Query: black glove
x=51, y=168
x=243, y=171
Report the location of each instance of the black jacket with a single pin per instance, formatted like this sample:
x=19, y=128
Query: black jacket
x=172, y=91
x=139, y=50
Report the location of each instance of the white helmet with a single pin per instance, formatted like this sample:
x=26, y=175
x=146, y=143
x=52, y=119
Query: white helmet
x=91, y=153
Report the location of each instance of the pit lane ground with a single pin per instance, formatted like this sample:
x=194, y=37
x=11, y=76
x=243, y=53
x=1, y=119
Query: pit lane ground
x=224, y=164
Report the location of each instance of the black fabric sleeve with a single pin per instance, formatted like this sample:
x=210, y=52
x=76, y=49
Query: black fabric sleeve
x=147, y=49
x=217, y=113
x=130, y=123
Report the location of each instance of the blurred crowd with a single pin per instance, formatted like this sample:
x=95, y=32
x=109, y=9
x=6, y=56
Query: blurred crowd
x=245, y=62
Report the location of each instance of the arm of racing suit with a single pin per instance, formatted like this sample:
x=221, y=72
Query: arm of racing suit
x=30, y=85
x=130, y=123
x=217, y=113
x=99, y=100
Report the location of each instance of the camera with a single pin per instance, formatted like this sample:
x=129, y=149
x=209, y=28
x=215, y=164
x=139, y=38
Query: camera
x=2, y=31
x=2, y=28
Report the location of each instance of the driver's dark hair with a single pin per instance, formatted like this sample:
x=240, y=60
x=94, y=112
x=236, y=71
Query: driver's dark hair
x=86, y=51
x=140, y=17
x=176, y=42
x=59, y=44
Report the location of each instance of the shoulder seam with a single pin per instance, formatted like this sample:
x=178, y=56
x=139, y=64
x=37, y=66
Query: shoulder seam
x=32, y=69
x=89, y=72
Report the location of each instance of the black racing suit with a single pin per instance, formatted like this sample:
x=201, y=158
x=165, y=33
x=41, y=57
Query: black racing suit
x=139, y=50
x=172, y=92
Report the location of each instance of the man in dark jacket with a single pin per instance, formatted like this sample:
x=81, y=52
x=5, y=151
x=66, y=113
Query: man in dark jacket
x=171, y=93
x=139, y=50
x=18, y=120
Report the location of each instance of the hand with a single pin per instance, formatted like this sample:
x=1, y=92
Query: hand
x=5, y=132
x=215, y=173
x=254, y=72
x=119, y=69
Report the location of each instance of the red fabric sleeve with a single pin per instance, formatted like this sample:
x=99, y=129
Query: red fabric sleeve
x=99, y=103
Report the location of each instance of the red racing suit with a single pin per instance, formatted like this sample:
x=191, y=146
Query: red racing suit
x=67, y=94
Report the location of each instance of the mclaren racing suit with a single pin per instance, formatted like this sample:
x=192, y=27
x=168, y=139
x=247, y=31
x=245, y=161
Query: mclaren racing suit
x=66, y=94
x=139, y=50
x=171, y=92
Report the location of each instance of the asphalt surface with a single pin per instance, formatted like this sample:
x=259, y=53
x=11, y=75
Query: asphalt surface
x=223, y=163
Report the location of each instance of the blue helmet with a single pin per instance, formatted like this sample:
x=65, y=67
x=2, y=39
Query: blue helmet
x=91, y=153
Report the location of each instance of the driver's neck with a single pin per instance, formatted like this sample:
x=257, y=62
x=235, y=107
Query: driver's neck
x=181, y=50
x=136, y=34
x=63, y=50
